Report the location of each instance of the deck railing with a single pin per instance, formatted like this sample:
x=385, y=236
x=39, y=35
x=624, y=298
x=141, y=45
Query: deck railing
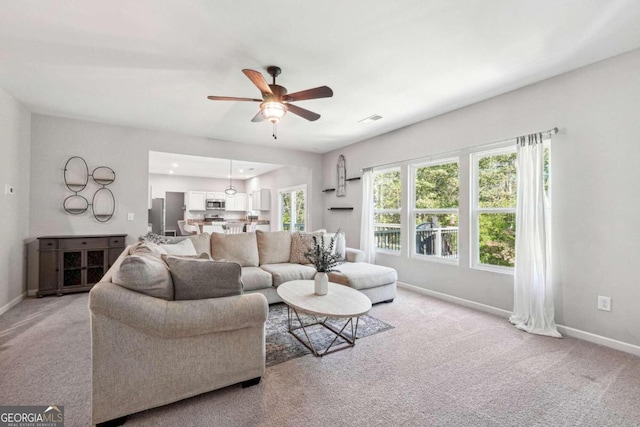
x=440, y=242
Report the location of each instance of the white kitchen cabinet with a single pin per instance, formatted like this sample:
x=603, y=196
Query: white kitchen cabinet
x=238, y=202
x=216, y=195
x=196, y=200
x=261, y=200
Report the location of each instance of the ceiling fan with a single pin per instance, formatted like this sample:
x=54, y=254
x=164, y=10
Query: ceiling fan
x=275, y=100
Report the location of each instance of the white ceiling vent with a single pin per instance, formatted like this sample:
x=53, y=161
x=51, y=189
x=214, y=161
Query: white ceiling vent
x=371, y=118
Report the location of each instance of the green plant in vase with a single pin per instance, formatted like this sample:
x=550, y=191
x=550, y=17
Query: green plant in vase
x=324, y=259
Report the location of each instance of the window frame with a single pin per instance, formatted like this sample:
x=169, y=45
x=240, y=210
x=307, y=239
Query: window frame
x=413, y=211
x=475, y=210
x=389, y=211
x=292, y=191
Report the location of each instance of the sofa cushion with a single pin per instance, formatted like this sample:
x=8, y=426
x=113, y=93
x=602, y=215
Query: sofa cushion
x=195, y=278
x=255, y=278
x=286, y=272
x=301, y=243
x=241, y=248
x=145, y=273
x=274, y=246
x=183, y=247
x=362, y=275
x=202, y=242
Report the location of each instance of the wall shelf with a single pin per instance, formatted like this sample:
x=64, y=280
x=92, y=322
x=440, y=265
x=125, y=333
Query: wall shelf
x=328, y=190
x=357, y=178
x=340, y=209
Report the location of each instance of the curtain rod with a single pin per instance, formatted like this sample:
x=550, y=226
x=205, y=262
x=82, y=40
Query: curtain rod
x=466, y=150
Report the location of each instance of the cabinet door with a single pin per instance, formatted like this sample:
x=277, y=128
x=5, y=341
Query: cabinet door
x=241, y=202
x=48, y=271
x=95, y=265
x=72, y=267
x=219, y=196
x=230, y=203
x=197, y=200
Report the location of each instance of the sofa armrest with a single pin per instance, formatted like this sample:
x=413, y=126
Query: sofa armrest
x=354, y=255
x=176, y=319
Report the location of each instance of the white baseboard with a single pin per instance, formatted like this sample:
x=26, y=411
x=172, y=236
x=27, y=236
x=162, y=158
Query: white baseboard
x=32, y=292
x=12, y=303
x=599, y=339
x=456, y=300
x=565, y=330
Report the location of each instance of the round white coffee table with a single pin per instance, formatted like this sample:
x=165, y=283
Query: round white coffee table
x=340, y=302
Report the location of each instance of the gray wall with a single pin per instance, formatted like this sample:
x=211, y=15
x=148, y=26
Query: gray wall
x=15, y=146
x=595, y=177
x=126, y=150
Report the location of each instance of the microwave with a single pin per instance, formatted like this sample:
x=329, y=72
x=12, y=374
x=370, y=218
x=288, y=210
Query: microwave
x=215, y=204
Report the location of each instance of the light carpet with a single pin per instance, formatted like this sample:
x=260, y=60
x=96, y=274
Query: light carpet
x=442, y=365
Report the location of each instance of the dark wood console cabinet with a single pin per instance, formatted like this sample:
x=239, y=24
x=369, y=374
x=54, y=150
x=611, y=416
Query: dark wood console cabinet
x=75, y=263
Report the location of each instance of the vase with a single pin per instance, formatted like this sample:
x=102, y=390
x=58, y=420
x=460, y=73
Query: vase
x=321, y=283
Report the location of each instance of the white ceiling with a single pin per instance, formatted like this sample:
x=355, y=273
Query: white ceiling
x=152, y=63
x=182, y=164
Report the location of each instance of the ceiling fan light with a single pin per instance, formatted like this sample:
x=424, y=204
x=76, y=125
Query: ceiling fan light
x=273, y=111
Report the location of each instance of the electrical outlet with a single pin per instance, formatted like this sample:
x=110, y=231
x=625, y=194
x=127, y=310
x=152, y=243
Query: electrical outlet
x=604, y=303
x=130, y=216
x=8, y=190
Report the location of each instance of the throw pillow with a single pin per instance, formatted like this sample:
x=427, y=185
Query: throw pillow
x=274, y=247
x=301, y=243
x=145, y=273
x=339, y=245
x=241, y=248
x=202, y=242
x=147, y=248
x=183, y=247
x=200, y=279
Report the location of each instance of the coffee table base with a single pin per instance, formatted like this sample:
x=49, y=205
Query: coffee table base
x=349, y=342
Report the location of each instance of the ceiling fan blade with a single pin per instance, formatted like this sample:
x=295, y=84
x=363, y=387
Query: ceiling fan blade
x=258, y=79
x=305, y=114
x=258, y=117
x=232, y=98
x=318, y=92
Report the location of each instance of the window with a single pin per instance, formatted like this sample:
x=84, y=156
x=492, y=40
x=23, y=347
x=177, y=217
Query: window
x=494, y=208
x=387, y=196
x=293, y=204
x=434, y=211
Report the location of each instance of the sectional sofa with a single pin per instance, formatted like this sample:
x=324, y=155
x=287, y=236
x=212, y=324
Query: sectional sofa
x=158, y=337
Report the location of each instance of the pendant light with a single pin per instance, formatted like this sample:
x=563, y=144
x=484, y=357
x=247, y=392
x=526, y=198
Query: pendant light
x=231, y=190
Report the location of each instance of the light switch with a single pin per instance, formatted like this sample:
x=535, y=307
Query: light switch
x=130, y=216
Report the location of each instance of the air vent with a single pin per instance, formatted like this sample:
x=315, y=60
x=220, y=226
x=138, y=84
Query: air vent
x=371, y=118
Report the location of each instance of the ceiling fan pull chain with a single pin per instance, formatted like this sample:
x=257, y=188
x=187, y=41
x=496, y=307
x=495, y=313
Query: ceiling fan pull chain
x=274, y=132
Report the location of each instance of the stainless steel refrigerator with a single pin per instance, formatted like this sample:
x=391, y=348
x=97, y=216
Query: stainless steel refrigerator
x=156, y=216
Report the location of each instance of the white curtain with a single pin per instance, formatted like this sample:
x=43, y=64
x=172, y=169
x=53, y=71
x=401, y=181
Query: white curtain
x=533, y=291
x=367, y=244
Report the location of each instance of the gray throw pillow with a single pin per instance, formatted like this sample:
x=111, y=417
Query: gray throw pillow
x=145, y=273
x=199, y=278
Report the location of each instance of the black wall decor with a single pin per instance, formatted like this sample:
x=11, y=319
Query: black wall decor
x=76, y=178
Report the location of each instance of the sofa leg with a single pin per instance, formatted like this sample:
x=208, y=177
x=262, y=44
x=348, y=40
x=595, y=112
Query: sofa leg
x=113, y=423
x=249, y=383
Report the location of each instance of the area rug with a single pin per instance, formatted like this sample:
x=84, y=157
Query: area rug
x=282, y=346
